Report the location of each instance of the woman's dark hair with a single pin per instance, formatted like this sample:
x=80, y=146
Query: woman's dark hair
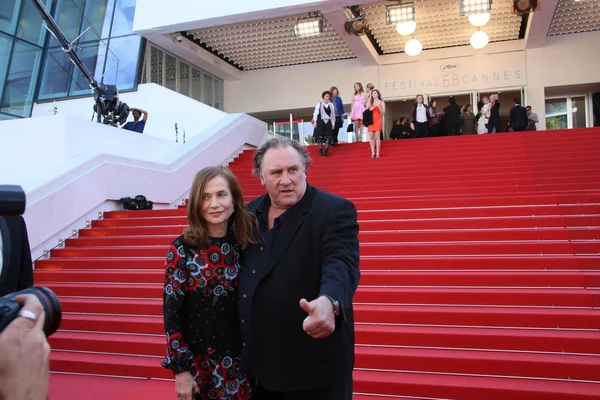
x=325, y=93
x=451, y=100
x=241, y=221
x=378, y=95
x=402, y=119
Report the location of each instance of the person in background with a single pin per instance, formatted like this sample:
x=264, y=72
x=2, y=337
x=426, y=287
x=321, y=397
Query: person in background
x=340, y=115
x=377, y=107
x=452, y=117
x=532, y=119
x=518, y=119
x=324, y=123
x=483, y=119
x=420, y=117
x=399, y=129
x=468, y=120
x=297, y=284
x=200, y=287
x=356, y=112
x=369, y=94
x=16, y=268
x=136, y=125
x=435, y=126
x=493, y=114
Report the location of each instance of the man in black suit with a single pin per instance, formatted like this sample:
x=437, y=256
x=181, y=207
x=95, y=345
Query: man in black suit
x=518, y=119
x=452, y=117
x=16, y=271
x=296, y=286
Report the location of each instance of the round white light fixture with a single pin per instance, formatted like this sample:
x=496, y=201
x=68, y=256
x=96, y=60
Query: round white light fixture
x=479, y=19
x=413, y=47
x=479, y=40
x=406, y=28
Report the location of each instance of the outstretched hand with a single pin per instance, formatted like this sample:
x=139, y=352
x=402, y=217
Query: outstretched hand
x=320, y=321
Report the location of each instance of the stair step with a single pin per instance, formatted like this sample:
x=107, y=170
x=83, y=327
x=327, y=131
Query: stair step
x=482, y=316
x=574, y=279
x=532, y=340
x=373, y=249
x=441, y=236
x=407, y=383
x=537, y=297
x=397, y=263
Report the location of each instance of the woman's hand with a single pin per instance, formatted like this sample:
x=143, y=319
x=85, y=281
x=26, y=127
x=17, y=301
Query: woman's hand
x=185, y=386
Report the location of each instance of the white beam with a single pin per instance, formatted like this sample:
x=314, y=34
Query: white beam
x=539, y=24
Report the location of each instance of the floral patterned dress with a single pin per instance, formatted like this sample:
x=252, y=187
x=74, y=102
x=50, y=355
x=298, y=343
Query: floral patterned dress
x=203, y=333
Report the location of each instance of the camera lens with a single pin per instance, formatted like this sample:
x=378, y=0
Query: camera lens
x=50, y=303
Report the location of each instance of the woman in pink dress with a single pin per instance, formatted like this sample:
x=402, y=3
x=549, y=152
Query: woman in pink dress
x=358, y=107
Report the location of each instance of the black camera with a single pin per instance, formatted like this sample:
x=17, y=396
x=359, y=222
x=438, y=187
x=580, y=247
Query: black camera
x=9, y=308
x=12, y=202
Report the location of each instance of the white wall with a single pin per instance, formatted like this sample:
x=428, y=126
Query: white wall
x=564, y=60
x=165, y=107
x=71, y=169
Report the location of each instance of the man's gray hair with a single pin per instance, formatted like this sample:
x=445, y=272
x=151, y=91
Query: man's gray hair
x=278, y=143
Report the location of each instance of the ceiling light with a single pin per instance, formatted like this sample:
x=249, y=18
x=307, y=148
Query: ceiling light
x=413, y=47
x=468, y=7
x=400, y=13
x=406, y=28
x=479, y=40
x=308, y=27
x=479, y=19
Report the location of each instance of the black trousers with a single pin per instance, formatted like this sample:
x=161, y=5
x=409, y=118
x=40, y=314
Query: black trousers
x=421, y=129
x=453, y=130
x=337, y=392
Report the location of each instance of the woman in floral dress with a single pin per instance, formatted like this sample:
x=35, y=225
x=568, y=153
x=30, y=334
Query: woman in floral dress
x=201, y=276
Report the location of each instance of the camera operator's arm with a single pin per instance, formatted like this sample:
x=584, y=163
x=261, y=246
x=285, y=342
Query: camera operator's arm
x=145, y=117
x=26, y=269
x=24, y=365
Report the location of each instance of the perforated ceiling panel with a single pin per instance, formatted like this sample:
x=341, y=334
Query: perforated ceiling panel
x=439, y=24
x=271, y=43
x=573, y=16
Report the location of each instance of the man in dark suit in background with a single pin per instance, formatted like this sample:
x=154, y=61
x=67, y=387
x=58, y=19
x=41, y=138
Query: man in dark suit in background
x=16, y=271
x=296, y=286
x=518, y=119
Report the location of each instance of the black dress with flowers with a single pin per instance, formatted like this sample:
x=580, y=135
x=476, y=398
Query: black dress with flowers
x=203, y=333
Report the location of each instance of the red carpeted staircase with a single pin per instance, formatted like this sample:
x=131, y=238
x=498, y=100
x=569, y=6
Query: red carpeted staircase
x=480, y=260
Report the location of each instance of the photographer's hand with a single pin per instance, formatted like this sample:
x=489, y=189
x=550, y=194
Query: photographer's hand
x=24, y=365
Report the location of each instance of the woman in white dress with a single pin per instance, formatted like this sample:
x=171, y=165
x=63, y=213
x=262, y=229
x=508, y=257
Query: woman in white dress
x=483, y=119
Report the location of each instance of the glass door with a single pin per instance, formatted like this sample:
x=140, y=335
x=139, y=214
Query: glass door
x=566, y=112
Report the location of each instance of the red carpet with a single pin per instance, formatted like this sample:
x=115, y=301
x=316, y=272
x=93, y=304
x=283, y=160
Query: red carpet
x=480, y=261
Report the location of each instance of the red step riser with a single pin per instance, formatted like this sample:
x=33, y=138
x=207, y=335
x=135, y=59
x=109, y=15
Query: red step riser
x=458, y=263
x=375, y=237
x=515, y=340
x=370, y=249
x=434, y=191
x=97, y=368
x=518, y=365
x=572, y=367
x=368, y=278
x=471, y=296
x=479, y=201
x=388, y=214
x=404, y=224
x=453, y=387
x=408, y=315
x=493, y=339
